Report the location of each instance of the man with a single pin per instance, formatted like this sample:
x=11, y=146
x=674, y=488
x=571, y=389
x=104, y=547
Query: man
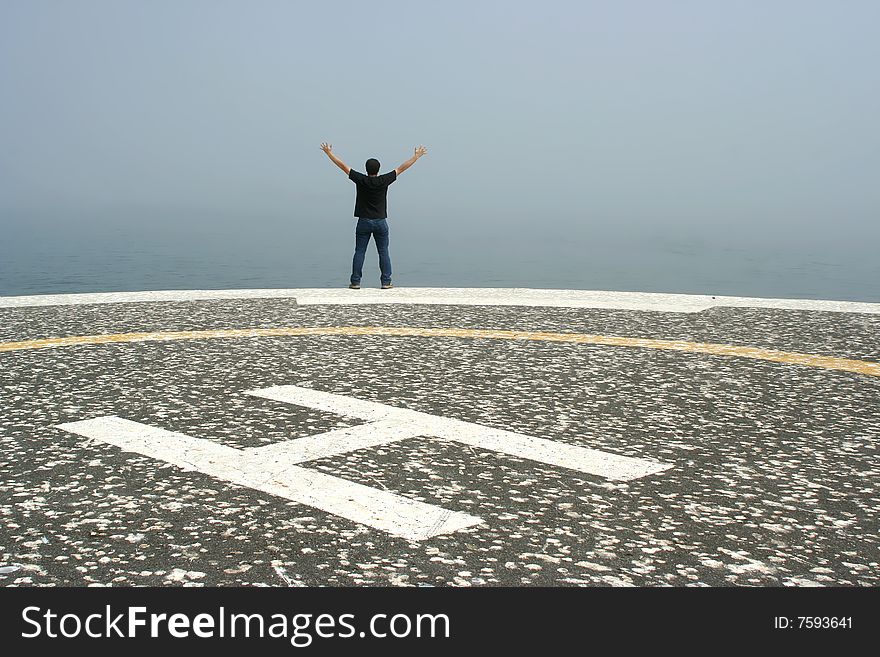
x=370, y=207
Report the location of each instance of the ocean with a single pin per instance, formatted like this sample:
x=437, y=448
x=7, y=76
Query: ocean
x=110, y=256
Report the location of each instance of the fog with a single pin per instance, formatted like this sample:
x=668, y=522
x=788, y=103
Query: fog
x=553, y=123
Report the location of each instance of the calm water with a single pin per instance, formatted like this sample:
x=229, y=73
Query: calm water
x=101, y=257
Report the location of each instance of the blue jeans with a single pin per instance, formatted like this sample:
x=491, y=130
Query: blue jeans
x=378, y=228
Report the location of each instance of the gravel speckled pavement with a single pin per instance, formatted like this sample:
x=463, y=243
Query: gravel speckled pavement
x=770, y=471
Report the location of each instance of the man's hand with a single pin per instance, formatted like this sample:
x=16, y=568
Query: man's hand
x=417, y=153
x=328, y=148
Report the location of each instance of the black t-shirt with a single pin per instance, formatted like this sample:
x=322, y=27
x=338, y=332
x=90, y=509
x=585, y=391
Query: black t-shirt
x=371, y=194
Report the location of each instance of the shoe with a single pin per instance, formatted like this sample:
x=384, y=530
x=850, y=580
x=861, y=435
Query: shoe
x=355, y=286
x=387, y=286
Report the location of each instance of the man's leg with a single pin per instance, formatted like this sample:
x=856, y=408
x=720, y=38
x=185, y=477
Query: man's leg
x=361, y=240
x=380, y=234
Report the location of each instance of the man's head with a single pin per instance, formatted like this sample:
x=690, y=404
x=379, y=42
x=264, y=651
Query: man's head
x=372, y=166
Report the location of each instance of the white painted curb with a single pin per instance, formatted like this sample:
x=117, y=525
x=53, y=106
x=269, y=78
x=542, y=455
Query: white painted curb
x=643, y=301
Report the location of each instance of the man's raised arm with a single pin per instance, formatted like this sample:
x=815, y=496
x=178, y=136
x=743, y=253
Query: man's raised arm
x=421, y=150
x=328, y=148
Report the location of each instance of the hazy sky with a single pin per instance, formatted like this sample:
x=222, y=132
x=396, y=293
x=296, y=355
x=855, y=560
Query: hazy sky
x=736, y=115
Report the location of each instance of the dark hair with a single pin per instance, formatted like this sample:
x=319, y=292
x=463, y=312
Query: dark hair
x=372, y=166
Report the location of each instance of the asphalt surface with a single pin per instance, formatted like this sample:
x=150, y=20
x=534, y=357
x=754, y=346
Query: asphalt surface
x=775, y=476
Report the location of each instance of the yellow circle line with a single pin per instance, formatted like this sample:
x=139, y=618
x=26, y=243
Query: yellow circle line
x=810, y=360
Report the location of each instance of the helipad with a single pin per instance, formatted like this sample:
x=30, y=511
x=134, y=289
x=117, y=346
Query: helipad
x=438, y=437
